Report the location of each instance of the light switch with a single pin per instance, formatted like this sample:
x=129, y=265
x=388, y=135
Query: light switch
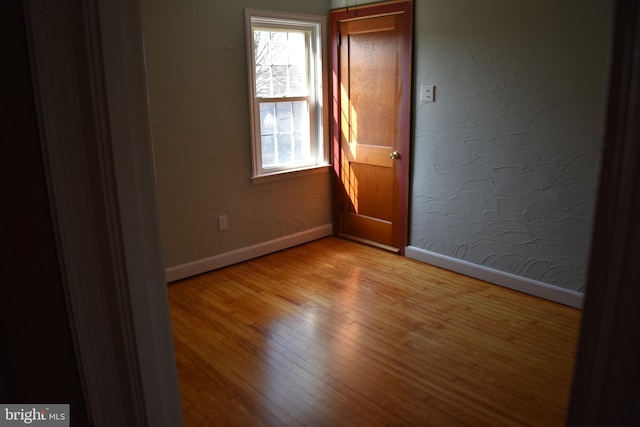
x=427, y=93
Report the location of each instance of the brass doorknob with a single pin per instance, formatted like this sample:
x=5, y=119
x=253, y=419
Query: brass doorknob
x=395, y=155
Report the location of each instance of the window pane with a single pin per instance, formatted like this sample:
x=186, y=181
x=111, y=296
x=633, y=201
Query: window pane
x=261, y=44
x=297, y=48
x=301, y=147
x=285, y=149
x=263, y=62
x=267, y=118
x=298, y=64
x=283, y=113
x=297, y=81
x=263, y=80
x=301, y=128
x=279, y=48
x=280, y=84
x=268, y=151
x=301, y=116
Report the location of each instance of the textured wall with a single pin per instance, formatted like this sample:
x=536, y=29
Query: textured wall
x=196, y=59
x=506, y=160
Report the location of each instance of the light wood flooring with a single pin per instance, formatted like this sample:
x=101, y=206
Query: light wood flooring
x=335, y=333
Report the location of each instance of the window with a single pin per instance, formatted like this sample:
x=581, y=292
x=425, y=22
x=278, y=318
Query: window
x=288, y=117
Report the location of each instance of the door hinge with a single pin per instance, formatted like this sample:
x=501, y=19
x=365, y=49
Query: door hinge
x=339, y=40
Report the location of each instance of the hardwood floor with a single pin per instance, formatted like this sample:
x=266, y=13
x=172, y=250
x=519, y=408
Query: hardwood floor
x=336, y=333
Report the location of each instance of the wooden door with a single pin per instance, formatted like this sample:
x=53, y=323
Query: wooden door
x=372, y=71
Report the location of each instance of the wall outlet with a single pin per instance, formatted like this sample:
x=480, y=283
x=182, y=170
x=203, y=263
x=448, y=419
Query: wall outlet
x=223, y=223
x=427, y=93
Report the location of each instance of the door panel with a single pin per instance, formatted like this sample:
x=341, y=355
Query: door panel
x=374, y=93
x=374, y=202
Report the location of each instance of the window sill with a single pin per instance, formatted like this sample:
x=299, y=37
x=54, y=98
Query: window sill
x=288, y=174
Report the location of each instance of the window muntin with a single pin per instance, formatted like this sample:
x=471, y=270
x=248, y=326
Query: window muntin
x=281, y=62
x=286, y=93
x=284, y=133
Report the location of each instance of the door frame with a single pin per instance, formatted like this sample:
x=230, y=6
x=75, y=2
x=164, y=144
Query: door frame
x=401, y=199
x=607, y=370
x=88, y=71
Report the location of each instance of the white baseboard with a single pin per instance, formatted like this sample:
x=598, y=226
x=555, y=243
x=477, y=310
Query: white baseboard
x=243, y=254
x=507, y=280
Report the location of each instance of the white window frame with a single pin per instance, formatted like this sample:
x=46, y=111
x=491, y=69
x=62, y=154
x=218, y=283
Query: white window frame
x=318, y=94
